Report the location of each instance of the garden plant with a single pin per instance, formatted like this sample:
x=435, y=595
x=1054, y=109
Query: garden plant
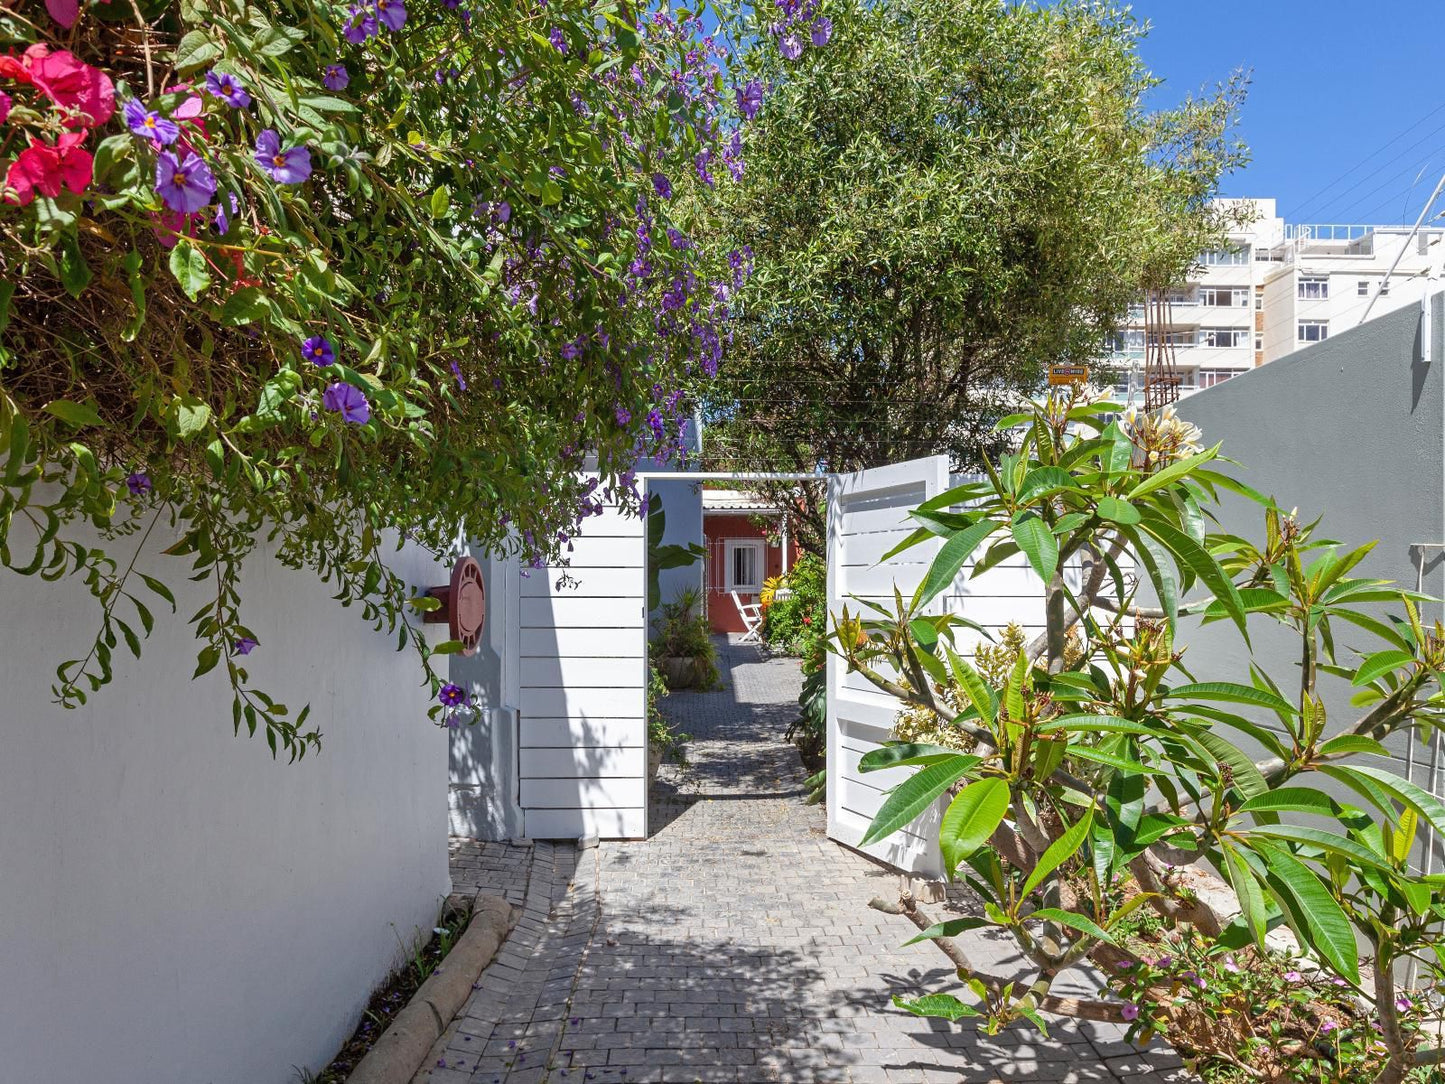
x=317, y=278
x=1086, y=782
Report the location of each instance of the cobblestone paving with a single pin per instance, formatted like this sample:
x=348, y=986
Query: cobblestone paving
x=736, y=944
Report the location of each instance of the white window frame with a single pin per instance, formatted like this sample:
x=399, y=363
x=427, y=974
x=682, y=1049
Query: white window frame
x=1322, y=325
x=1362, y=288
x=1208, y=337
x=1302, y=288
x=729, y=550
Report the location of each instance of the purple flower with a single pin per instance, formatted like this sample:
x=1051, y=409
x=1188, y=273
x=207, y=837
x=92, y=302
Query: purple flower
x=245, y=645
x=503, y=212
x=228, y=88
x=149, y=124
x=1402, y=1003
x=138, y=482
x=661, y=185
x=349, y=401
x=750, y=99
x=1292, y=976
x=558, y=40
x=451, y=695
x=623, y=415
x=336, y=77
x=676, y=239
x=457, y=372
x=318, y=350
x=1328, y=1026
x=291, y=166
x=1130, y=1012
x=186, y=185
x=391, y=13
x=1230, y=965
x=822, y=30
x=359, y=26
x=791, y=47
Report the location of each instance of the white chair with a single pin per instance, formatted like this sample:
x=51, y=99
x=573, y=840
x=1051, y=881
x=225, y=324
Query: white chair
x=752, y=615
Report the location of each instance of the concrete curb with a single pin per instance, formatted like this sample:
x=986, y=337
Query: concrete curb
x=403, y=1047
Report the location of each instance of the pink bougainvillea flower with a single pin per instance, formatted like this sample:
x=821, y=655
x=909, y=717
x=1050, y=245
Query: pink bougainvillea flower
x=5, y=104
x=67, y=81
x=47, y=170
x=64, y=12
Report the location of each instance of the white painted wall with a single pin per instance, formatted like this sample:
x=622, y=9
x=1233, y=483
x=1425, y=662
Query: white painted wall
x=175, y=906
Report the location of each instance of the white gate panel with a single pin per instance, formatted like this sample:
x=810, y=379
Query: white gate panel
x=583, y=749
x=868, y=514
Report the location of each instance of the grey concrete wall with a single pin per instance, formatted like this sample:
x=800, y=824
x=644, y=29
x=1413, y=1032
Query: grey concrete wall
x=1351, y=429
x=175, y=905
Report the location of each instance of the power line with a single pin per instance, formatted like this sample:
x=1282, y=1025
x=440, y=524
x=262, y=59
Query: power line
x=1299, y=213
x=1326, y=212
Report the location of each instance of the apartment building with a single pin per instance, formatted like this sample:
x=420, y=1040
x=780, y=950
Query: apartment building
x=1276, y=288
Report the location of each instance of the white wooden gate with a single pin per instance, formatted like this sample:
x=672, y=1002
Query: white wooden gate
x=867, y=517
x=583, y=745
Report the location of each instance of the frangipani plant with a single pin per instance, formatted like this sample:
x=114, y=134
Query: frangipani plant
x=1088, y=777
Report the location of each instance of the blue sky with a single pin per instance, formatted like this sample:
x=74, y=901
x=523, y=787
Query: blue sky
x=1345, y=118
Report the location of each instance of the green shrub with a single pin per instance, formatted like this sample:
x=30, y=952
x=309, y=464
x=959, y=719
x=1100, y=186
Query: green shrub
x=682, y=632
x=798, y=620
x=662, y=734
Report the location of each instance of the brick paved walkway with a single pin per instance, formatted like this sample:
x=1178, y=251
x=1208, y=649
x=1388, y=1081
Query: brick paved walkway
x=734, y=945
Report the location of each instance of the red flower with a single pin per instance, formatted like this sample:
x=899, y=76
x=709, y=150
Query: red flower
x=64, y=12
x=46, y=169
x=5, y=104
x=807, y=620
x=67, y=81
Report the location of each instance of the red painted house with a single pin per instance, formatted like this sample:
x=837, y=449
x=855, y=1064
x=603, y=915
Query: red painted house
x=747, y=541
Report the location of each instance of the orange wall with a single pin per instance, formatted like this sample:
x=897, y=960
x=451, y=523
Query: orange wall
x=717, y=528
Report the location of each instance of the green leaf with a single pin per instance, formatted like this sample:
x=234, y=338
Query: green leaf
x=1232, y=692
x=1073, y=921
x=1292, y=800
x=188, y=264
x=951, y=557
x=904, y=754
x=1191, y=555
x=1171, y=474
x=206, y=660
x=441, y=201
x=196, y=49
x=941, y=1005
x=1059, y=852
x=1102, y=723
x=1246, y=776
x=1326, y=841
x=75, y=273
x=1038, y=544
x=1406, y=793
x=76, y=414
x=189, y=416
x=1354, y=743
x=1116, y=511
x=1044, y=480
x=1246, y=890
x=1380, y=663
x=1330, y=931
x=951, y=928
x=979, y=693
x=972, y=817
x=915, y=794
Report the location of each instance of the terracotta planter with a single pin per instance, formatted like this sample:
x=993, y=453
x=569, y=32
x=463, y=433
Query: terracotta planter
x=681, y=673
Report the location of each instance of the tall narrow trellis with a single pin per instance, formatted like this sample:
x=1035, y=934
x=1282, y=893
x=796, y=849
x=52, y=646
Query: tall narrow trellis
x=1161, y=378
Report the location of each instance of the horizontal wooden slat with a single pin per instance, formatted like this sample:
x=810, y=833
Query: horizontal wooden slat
x=592, y=582
x=582, y=613
x=603, y=552
x=583, y=643
x=893, y=516
x=868, y=549
x=582, y=733
x=864, y=802
x=626, y=823
x=575, y=703
x=583, y=763
x=582, y=672
x=583, y=793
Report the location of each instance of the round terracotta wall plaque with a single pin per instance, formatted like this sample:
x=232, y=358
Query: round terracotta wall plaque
x=463, y=605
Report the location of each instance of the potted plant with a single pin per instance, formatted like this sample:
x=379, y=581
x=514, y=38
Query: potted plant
x=663, y=738
x=682, y=647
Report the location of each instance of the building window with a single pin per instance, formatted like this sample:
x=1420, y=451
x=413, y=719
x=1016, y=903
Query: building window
x=1384, y=289
x=1210, y=377
x=1259, y=299
x=745, y=566
x=1216, y=257
x=1362, y=288
x=1313, y=331
x=1224, y=296
x=1222, y=336
x=1314, y=287
x=1259, y=341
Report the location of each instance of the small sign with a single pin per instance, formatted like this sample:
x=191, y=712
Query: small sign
x=1068, y=374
